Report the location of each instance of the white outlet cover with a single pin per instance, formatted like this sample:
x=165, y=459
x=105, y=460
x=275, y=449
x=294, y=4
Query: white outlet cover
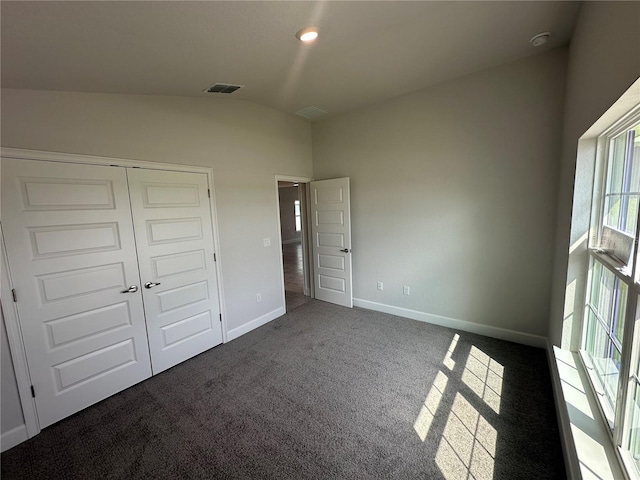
x=266, y=242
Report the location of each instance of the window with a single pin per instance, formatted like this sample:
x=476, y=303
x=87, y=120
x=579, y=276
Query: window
x=296, y=212
x=631, y=435
x=610, y=354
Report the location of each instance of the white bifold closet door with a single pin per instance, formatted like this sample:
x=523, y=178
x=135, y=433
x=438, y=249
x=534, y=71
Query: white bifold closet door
x=76, y=271
x=172, y=223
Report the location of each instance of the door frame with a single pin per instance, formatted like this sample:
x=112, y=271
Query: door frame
x=16, y=347
x=305, y=234
x=11, y=318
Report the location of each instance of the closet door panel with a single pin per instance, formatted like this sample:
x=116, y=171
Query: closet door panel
x=174, y=237
x=71, y=249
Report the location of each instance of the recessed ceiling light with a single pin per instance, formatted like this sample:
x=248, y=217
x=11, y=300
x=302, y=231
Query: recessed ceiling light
x=307, y=35
x=540, y=39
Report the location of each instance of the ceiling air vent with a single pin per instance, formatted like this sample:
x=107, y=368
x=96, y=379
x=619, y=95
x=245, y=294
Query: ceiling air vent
x=222, y=88
x=310, y=112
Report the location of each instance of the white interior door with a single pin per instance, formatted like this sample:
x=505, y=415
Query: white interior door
x=331, y=240
x=174, y=236
x=72, y=257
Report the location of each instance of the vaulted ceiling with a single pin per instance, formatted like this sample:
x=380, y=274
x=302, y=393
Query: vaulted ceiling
x=367, y=51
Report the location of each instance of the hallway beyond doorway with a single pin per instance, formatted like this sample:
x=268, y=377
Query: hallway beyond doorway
x=293, y=275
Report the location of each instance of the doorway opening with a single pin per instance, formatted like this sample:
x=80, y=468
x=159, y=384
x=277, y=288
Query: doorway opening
x=292, y=205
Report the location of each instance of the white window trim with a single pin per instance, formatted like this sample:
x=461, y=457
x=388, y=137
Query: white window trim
x=626, y=274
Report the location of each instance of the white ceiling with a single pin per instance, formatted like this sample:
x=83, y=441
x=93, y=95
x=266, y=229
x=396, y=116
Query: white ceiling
x=368, y=51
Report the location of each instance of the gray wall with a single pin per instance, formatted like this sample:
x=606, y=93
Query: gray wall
x=604, y=60
x=453, y=193
x=246, y=144
x=287, y=214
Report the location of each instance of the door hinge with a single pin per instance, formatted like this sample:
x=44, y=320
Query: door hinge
x=33, y=392
x=209, y=192
x=13, y=293
x=220, y=317
x=214, y=257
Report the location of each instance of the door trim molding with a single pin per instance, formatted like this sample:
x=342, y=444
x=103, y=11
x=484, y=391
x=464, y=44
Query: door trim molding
x=25, y=154
x=16, y=348
x=287, y=178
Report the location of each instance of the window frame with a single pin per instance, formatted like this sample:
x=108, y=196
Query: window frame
x=627, y=273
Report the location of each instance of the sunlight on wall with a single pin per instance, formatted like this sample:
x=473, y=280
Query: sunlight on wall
x=581, y=242
x=467, y=447
x=483, y=375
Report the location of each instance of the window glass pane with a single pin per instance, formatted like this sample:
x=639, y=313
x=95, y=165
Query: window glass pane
x=604, y=331
x=623, y=182
x=631, y=438
x=633, y=418
x=612, y=210
x=617, y=320
x=602, y=286
x=296, y=212
x=635, y=145
x=631, y=223
x=616, y=164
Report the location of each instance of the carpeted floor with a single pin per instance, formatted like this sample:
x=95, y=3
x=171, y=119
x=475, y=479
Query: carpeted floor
x=323, y=392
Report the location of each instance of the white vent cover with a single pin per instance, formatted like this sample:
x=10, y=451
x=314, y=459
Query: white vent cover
x=222, y=88
x=310, y=112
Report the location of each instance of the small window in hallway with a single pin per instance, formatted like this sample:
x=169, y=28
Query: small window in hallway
x=296, y=211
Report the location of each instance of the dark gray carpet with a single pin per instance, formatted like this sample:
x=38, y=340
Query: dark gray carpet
x=323, y=392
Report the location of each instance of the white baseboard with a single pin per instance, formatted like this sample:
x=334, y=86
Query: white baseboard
x=13, y=437
x=486, y=330
x=253, y=324
x=292, y=240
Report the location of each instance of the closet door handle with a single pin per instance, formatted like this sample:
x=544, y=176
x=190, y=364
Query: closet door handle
x=131, y=289
x=151, y=284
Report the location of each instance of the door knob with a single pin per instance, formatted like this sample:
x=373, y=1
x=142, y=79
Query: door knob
x=151, y=284
x=345, y=250
x=131, y=289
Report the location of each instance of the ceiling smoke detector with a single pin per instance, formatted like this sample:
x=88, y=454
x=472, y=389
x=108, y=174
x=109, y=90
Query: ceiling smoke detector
x=540, y=39
x=222, y=88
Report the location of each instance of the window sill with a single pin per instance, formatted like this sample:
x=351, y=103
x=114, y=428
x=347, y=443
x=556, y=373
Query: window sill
x=612, y=263
x=589, y=452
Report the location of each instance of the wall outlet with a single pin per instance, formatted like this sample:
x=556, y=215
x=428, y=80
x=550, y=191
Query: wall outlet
x=259, y=297
x=380, y=286
x=406, y=290
x=266, y=242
